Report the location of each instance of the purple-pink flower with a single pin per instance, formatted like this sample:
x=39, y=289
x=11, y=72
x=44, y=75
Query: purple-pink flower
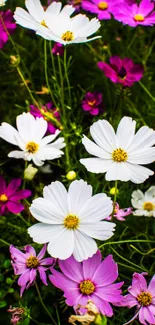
x=143, y=297
x=92, y=102
x=58, y=49
x=136, y=14
x=90, y=280
x=123, y=71
x=103, y=9
x=49, y=113
x=27, y=264
x=120, y=213
x=16, y=314
x=6, y=24
x=10, y=196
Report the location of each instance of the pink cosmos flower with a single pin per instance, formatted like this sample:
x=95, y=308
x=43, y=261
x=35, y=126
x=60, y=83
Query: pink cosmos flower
x=92, y=102
x=90, y=280
x=143, y=297
x=103, y=9
x=120, y=213
x=58, y=49
x=136, y=14
x=10, y=196
x=49, y=113
x=27, y=264
x=123, y=71
x=6, y=22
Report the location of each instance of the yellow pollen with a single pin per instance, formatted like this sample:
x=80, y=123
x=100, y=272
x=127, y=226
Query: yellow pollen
x=71, y=222
x=3, y=198
x=144, y=298
x=139, y=17
x=102, y=5
x=32, y=262
x=43, y=23
x=119, y=155
x=87, y=287
x=67, y=36
x=148, y=206
x=92, y=103
x=32, y=147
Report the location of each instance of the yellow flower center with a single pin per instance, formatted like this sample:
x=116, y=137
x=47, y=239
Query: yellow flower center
x=71, y=222
x=87, y=287
x=43, y=23
x=32, y=147
x=148, y=206
x=119, y=155
x=102, y=5
x=3, y=198
x=144, y=298
x=139, y=17
x=92, y=103
x=32, y=262
x=67, y=36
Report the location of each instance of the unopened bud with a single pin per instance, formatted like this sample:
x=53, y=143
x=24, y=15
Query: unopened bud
x=100, y=320
x=113, y=191
x=30, y=172
x=14, y=60
x=71, y=175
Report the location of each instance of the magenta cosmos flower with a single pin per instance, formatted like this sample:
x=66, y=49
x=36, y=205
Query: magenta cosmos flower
x=119, y=214
x=6, y=22
x=103, y=9
x=92, y=102
x=49, y=113
x=90, y=280
x=27, y=264
x=136, y=14
x=123, y=71
x=58, y=49
x=10, y=196
x=143, y=297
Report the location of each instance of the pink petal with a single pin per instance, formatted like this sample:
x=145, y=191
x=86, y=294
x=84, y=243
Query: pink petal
x=151, y=287
x=43, y=276
x=107, y=272
x=17, y=255
x=24, y=278
x=91, y=264
x=61, y=281
x=48, y=261
x=30, y=250
x=42, y=252
x=14, y=207
x=13, y=186
x=20, y=195
x=72, y=269
x=2, y=185
x=32, y=276
x=104, y=307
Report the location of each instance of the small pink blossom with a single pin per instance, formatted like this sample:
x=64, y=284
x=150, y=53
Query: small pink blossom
x=6, y=24
x=16, y=314
x=27, y=264
x=58, y=49
x=103, y=9
x=123, y=71
x=92, y=102
x=120, y=213
x=49, y=113
x=93, y=279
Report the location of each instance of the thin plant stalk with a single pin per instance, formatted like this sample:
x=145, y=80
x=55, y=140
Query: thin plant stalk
x=43, y=305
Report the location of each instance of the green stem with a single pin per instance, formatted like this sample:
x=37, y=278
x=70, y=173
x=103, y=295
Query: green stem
x=126, y=242
x=20, y=216
x=35, y=321
x=27, y=87
x=43, y=305
x=4, y=242
x=115, y=197
x=128, y=261
x=67, y=79
x=147, y=91
x=46, y=73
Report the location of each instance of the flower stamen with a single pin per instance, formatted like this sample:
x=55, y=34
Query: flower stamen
x=148, y=206
x=87, y=287
x=67, y=36
x=102, y=5
x=71, y=222
x=32, y=147
x=3, y=198
x=139, y=17
x=32, y=262
x=144, y=298
x=43, y=23
x=92, y=103
x=119, y=155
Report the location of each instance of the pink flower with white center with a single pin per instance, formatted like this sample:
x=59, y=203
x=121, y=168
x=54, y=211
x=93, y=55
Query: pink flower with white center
x=143, y=297
x=90, y=280
x=27, y=264
x=120, y=213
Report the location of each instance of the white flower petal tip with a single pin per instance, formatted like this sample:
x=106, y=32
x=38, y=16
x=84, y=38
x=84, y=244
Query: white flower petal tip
x=69, y=221
x=121, y=154
x=29, y=137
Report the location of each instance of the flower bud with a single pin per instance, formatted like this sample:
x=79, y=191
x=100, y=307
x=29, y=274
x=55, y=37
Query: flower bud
x=113, y=191
x=71, y=175
x=30, y=172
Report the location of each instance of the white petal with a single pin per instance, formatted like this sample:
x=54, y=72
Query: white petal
x=37, y=161
x=42, y=233
x=58, y=144
x=78, y=193
x=45, y=211
x=88, y=29
x=48, y=153
x=136, y=204
x=24, y=19
x=54, y=8
x=144, y=156
x=35, y=9
x=102, y=230
x=118, y=171
x=103, y=134
x=94, y=149
x=97, y=208
x=31, y=129
x=67, y=10
x=62, y=244
x=57, y=194
x=17, y=154
x=49, y=138
x=145, y=137
x=138, y=212
x=8, y=133
x=125, y=132
x=151, y=191
x=84, y=246
x=96, y=165
x=137, y=195
x=139, y=173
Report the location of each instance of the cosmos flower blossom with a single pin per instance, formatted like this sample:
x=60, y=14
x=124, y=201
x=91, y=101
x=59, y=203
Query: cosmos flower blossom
x=70, y=221
x=27, y=265
x=103, y=9
x=123, y=71
x=6, y=24
x=49, y=113
x=30, y=139
x=119, y=214
x=136, y=14
x=92, y=279
x=10, y=196
x=143, y=297
x=58, y=49
x=144, y=203
x=120, y=154
x=92, y=103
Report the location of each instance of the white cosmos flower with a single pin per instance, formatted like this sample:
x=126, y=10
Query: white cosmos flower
x=144, y=202
x=120, y=155
x=29, y=138
x=70, y=221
